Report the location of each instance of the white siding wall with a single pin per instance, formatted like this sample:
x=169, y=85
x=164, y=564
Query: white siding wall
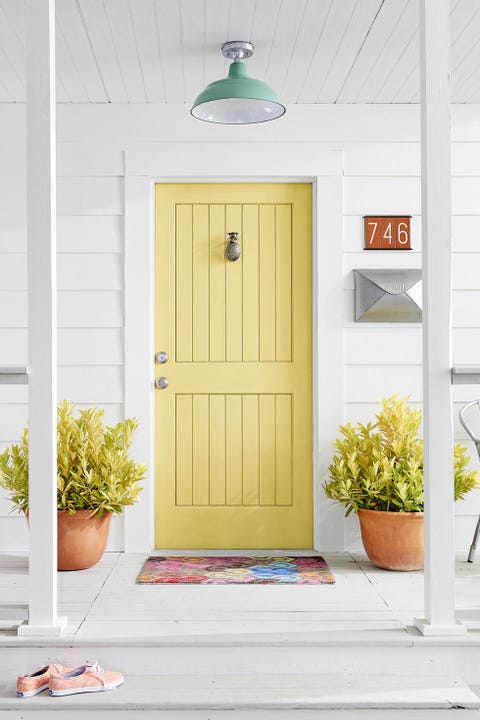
x=381, y=359
x=381, y=166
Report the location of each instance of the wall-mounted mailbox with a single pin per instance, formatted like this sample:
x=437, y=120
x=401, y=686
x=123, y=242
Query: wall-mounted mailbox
x=388, y=295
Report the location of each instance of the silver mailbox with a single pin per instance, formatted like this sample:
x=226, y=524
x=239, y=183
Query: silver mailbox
x=388, y=295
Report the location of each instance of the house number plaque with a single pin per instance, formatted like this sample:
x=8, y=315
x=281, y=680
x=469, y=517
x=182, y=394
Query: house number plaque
x=387, y=232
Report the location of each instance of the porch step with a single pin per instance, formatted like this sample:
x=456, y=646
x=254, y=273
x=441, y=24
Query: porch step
x=257, y=696
x=345, y=654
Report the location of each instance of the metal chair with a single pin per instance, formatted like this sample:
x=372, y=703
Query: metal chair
x=476, y=440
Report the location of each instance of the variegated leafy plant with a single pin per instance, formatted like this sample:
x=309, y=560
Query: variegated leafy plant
x=95, y=471
x=379, y=466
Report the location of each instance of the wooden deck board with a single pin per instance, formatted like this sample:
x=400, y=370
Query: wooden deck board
x=104, y=601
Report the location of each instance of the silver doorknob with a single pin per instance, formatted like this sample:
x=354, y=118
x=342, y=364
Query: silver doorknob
x=161, y=383
x=161, y=357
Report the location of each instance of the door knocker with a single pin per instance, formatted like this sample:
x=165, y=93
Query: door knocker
x=232, y=251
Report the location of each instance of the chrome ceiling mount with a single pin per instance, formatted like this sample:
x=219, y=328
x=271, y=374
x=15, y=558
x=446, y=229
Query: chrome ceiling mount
x=237, y=50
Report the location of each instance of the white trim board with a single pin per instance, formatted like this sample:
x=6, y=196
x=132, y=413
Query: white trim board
x=244, y=162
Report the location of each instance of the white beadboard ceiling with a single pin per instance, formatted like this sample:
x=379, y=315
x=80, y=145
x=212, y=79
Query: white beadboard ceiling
x=310, y=51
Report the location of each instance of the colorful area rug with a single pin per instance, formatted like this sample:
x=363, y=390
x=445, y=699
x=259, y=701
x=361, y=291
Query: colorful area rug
x=244, y=570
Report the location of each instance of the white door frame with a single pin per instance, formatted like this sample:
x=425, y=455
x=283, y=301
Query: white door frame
x=235, y=162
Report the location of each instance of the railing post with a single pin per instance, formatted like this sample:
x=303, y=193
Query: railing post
x=42, y=318
x=436, y=262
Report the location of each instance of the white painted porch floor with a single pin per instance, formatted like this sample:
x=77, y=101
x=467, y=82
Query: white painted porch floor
x=104, y=602
x=350, y=645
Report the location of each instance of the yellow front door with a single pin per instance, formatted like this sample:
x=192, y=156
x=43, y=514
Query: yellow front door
x=233, y=427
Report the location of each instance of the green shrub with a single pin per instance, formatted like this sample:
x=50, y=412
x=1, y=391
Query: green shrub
x=94, y=471
x=379, y=466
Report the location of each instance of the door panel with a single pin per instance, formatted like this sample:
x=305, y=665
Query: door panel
x=233, y=427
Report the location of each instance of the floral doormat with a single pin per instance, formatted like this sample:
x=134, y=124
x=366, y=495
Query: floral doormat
x=245, y=570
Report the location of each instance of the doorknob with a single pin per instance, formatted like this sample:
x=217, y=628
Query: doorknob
x=161, y=383
x=161, y=357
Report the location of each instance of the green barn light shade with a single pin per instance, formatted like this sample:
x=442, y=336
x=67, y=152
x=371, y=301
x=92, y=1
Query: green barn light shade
x=237, y=99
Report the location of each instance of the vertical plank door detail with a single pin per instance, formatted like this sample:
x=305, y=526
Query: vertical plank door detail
x=240, y=311
x=233, y=428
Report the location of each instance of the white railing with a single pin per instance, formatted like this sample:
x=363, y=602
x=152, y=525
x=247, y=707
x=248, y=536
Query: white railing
x=466, y=375
x=13, y=375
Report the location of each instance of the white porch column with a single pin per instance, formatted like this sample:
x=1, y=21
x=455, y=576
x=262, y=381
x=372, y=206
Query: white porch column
x=436, y=261
x=42, y=318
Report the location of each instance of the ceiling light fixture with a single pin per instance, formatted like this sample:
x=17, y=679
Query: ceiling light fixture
x=237, y=99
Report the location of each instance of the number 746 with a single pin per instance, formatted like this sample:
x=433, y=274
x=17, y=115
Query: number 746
x=388, y=235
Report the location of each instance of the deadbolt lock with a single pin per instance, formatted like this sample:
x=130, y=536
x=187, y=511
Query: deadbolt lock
x=161, y=357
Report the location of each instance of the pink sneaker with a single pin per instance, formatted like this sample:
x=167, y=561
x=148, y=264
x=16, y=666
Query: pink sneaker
x=37, y=682
x=86, y=678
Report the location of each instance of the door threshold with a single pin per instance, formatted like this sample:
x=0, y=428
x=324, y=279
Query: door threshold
x=237, y=552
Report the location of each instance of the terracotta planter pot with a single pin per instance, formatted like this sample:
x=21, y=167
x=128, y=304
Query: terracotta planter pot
x=393, y=540
x=81, y=539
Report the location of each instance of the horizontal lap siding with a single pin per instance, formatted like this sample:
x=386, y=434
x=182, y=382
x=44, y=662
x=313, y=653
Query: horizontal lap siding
x=381, y=176
x=90, y=297
x=385, y=358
